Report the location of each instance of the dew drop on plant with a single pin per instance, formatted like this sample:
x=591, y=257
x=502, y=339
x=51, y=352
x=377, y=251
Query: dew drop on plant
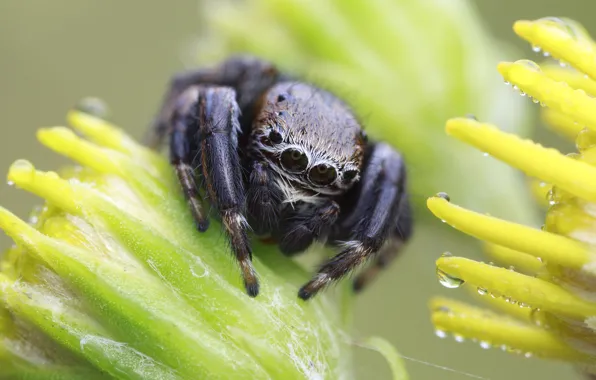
x=528, y=355
x=560, y=24
x=471, y=116
x=444, y=196
x=448, y=281
x=10, y=183
x=441, y=334
x=446, y=254
x=536, y=48
x=482, y=291
x=585, y=140
x=533, y=66
x=93, y=106
x=459, y=338
x=485, y=345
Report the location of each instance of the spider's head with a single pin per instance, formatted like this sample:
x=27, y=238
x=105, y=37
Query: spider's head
x=310, y=138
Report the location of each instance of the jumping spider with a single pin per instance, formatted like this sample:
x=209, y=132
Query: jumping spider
x=287, y=160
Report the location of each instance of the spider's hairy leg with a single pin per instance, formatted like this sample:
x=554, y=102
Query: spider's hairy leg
x=218, y=127
x=373, y=219
x=263, y=199
x=308, y=225
x=390, y=251
x=248, y=75
x=183, y=146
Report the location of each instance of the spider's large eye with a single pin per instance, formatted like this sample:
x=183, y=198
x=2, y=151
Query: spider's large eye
x=349, y=175
x=294, y=160
x=322, y=174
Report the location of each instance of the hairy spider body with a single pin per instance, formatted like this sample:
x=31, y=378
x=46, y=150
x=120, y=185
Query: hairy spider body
x=287, y=160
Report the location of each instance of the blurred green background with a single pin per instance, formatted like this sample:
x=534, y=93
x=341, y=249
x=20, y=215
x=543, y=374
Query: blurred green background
x=54, y=53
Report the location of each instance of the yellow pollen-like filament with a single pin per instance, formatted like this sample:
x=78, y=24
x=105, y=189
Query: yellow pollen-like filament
x=559, y=96
x=561, y=123
x=548, y=246
x=564, y=39
x=531, y=291
x=521, y=261
x=573, y=176
x=495, y=330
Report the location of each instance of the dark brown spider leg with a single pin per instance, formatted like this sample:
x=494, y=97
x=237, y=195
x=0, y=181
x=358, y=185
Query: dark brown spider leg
x=182, y=147
x=309, y=225
x=391, y=250
x=249, y=76
x=217, y=138
x=263, y=198
x=382, y=193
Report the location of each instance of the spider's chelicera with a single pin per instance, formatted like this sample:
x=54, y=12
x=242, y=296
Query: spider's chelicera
x=287, y=160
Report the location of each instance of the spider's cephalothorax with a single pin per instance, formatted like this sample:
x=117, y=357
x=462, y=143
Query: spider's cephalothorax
x=288, y=160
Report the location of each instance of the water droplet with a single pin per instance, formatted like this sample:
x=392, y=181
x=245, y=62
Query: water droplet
x=586, y=139
x=491, y=264
x=523, y=305
x=446, y=254
x=507, y=83
x=486, y=154
x=10, y=183
x=485, y=345
x=471, y=116
x=540, y=259
x=504, y=347
x=443, y=195
x=441, y=334
x=515, y=88
x=93, y=106
x=535, y=101
x=536, y=49
x=529, y=65
x=528, y=355
x=449, y=281
x=522, y=93
x=459, y=338
x=562, y=64
x=545, y=54
x=536, y=317
x=561, y=24
x=482, y=291
x=512, y=268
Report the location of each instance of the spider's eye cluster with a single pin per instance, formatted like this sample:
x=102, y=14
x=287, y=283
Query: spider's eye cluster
x=322, y=174
x=294, y=160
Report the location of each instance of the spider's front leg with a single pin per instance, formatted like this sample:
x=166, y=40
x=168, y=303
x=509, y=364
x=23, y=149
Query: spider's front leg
x=381, y=211
x=206, y=126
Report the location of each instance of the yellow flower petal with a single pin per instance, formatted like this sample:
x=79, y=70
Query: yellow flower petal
x=563, y=38
x=570, y=76
x=493, y=330
x=521, y=261
x=531, y=291
x=573, y=176
x=560, y=123
x=553, y=248
x=559, y=96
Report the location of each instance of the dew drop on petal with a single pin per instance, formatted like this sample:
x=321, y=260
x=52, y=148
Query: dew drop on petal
x=482, y=291
x=560, y=24
x=443, y=195
x=446, y=254
x=93, y=106
x=485, y=345
x=536, y=49
x=449, y=281
x=441, y=334
x=10, y=183
x=585, y=140
x=529, y=65
x=459, y=338
x=528, y=355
